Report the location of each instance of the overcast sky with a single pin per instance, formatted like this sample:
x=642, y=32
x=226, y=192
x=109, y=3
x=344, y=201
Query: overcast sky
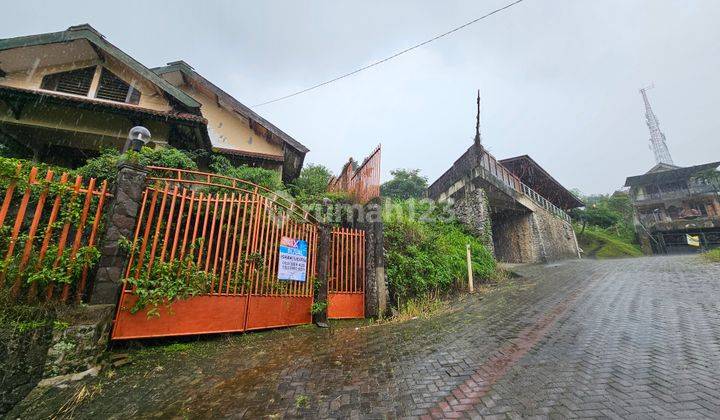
x=559, y=79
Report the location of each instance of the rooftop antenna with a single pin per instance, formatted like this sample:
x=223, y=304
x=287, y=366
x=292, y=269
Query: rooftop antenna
x=657, y=138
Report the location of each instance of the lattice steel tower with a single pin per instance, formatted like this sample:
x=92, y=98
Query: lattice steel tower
x=657, y=138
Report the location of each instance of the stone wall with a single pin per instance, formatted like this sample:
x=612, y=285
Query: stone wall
x=557, y=236
x=79, y=338
x=25, y=335
x=49, y=346
x=533, y=237
x=514, y=238
x=471, y=208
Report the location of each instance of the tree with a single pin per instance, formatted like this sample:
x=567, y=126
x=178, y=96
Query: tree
x=406, y=183
x=313, y=181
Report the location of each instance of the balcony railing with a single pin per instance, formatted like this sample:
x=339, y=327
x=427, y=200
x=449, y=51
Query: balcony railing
x=677, y=194
x=489, y=163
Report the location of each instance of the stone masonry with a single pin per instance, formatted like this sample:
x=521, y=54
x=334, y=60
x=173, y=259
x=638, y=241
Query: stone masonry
x=511, y=224
x=121, y=218
x=533, y=236
x=473, y=211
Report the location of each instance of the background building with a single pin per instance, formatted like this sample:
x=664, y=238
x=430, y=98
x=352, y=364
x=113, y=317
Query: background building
x=671, y=202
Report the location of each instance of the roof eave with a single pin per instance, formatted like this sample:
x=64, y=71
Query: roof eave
x=91, y=35
x=244, y=110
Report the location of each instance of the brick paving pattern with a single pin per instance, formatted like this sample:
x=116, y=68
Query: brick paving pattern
x=633, y=338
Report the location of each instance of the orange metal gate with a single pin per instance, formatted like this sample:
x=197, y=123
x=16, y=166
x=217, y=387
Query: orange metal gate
x=346, y=285
x=229, y=230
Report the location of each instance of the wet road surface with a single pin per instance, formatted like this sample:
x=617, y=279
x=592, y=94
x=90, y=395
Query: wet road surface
x=625, y=338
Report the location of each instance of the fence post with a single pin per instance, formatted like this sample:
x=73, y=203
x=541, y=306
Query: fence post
x=376, y=294
x=321, y=292
x=471, y=287
x=121, y=220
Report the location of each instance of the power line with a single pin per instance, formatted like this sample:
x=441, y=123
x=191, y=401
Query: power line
x=397, y=54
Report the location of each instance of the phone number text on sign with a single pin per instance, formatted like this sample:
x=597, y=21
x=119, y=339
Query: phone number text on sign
x=293, y=259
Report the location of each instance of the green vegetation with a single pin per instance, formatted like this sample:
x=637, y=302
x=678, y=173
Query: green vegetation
x=426, y=256
x=264, y=177
x=318, y=307
x=312, y=182
x=605, y=226
x=105, y=166
x=167, y=281
x=301, y=401
x=18, y=318
x=405, y=184
x=713, y=255
x=310, y=188
x=599, y=243
x=26, y=261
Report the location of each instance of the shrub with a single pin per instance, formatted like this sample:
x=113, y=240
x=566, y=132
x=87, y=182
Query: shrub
x=264, y=177
x=429, y=257
x=8, y=170
x=105, y=166
x=313, y=181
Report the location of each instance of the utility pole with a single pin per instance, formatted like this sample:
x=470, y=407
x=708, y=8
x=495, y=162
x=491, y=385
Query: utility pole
x=657, y=138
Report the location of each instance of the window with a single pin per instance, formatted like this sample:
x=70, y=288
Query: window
x=115, y=89
x=76, y=82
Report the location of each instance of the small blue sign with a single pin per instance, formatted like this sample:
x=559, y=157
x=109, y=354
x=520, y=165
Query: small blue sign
x=292, y=264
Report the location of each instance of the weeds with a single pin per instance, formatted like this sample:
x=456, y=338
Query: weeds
x=301, y=401
x=713, y=255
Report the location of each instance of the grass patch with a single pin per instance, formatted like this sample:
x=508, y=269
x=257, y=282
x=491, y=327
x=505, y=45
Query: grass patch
x=712, y=255
x=425, y=253
x=423, y=307
x=598, y=243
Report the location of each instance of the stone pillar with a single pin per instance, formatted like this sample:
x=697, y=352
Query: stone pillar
x=121, y=220
x=321, y=289
x=472, y=210
x=376, y=293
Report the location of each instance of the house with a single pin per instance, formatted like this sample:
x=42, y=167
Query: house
x=65, y=96
x=673, y=205
x=235, y=130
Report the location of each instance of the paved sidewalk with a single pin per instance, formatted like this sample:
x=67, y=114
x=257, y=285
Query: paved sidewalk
x=624, y=338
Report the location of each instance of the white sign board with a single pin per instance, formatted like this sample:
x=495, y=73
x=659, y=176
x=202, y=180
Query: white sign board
x=293, y=259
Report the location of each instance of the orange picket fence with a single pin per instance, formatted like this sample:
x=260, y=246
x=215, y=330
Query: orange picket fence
x=228, y=230
x=48, y=245
x=346, y=279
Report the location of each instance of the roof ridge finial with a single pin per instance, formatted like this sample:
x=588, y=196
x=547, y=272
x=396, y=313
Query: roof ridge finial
x=477, y=121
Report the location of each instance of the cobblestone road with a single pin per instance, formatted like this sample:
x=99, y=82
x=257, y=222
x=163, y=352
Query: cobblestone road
x=626, y=338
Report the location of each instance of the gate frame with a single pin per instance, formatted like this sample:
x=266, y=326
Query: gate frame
x=218, y=312
x=346, y=289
